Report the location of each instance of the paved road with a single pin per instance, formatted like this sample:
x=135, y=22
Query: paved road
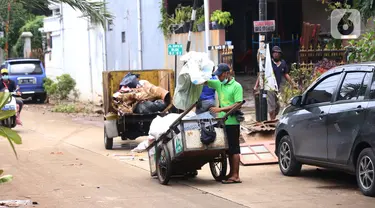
x=62, y=163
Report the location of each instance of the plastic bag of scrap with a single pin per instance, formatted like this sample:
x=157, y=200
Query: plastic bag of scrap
x=198, y=66
x=195, y=72
x=148, y=107
x=160, y=125
x=130, y=80
x=143, y=145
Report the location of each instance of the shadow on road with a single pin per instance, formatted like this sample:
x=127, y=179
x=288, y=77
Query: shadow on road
x=332, y=179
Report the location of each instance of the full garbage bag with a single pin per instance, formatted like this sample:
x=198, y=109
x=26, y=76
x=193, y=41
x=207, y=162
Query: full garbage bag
x=130, y=80
x=196, y=71
x=160, y=125
x=148, y=107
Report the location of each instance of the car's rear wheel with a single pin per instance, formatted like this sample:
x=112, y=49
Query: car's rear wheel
x=288, y=164
x=40, y=98
x=365, y=172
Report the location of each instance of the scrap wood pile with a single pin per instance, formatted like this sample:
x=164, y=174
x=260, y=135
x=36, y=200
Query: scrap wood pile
x=139, y=96
x=265, y=126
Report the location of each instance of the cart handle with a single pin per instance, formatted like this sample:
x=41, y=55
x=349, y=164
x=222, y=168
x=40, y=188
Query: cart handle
x=238, y=106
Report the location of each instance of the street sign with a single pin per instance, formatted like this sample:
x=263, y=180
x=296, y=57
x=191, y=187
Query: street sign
x=175, y=49
x=264, y=26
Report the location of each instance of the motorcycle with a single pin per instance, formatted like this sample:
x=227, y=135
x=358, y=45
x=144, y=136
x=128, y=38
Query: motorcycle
x=10, y=122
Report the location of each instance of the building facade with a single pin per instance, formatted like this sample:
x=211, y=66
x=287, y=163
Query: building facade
x=75, y=47
x=122, y=41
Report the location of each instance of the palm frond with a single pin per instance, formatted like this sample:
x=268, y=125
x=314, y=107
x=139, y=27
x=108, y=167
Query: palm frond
x=95, y=10
x=367, y=8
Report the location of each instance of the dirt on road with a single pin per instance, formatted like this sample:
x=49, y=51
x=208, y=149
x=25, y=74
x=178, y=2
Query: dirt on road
x=62, y=163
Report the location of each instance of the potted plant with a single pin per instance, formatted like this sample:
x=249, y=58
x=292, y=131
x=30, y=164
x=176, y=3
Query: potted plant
x=187, y=16
x=200, y=24
x=221, y=19
x=182, y=19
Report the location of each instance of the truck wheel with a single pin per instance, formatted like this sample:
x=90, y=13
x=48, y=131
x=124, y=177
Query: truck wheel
x=288, y=164
x=365, y=172
x=108, y=142
x=219, y=167
x=163, y=165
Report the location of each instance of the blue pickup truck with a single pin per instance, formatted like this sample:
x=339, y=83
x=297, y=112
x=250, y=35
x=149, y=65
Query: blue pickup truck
x=29, y=75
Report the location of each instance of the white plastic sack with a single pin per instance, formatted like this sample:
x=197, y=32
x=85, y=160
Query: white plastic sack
x=196, y=71
x=270, y=79
x=143, y=145
x=160, y=125
x=198, y=66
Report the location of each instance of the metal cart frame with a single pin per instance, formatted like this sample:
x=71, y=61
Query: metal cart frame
x=170, y=155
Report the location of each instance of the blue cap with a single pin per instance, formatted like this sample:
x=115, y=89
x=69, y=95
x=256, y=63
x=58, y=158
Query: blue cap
x=221, y=68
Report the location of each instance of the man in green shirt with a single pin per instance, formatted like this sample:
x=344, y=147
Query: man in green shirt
x=230, y=93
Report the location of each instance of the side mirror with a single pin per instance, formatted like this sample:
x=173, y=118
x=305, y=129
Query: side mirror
x=296, y=101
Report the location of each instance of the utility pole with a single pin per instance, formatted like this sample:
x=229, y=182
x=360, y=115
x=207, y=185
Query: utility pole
x=261, y=59
x=207, y=26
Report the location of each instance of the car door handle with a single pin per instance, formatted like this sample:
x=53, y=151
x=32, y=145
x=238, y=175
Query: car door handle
x=359, y=109
x=322, y=114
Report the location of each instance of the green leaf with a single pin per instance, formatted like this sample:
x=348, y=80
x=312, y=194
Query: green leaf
x=6, y=178
x=10, y=134
x=1, y=172
x=4, y=98
x=6, y=114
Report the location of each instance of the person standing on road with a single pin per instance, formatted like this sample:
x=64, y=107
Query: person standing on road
x=230, y=93
x=280, y=70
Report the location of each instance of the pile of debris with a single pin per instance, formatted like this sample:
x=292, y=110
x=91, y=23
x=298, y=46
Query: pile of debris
x=139, y=96
x=265, y=126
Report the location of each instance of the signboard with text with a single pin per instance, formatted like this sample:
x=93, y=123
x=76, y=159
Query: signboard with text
x=175, y=49
x=264, y=26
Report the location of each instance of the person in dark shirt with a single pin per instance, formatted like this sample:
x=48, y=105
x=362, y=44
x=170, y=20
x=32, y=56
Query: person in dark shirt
x=207, y=99
x=280, y=70
x=10, y=85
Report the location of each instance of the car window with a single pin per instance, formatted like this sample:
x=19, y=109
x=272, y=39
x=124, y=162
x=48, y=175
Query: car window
x=351, y=87
x=323, y=92
x=372, y=89
x=25, y=67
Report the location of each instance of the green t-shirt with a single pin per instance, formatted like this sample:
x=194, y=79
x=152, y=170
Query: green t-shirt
x=229, y=94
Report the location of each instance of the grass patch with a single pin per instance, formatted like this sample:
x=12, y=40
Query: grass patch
x=70, y=108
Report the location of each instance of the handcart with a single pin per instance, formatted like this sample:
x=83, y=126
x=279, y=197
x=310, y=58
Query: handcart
x=180, y=152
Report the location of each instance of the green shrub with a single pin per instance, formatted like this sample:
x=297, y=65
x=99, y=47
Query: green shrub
x=60, y=89
x=70, y=108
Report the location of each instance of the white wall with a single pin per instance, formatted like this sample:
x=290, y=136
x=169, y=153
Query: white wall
x=124, y=56
x=71, y=52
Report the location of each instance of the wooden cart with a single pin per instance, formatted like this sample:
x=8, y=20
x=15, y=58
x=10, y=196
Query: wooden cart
x=180, y=152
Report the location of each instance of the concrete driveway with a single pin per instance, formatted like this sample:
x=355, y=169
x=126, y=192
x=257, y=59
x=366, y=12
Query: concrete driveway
x=63, y=163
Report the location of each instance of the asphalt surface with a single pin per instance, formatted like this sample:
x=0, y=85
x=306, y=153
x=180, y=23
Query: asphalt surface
x=62, y=163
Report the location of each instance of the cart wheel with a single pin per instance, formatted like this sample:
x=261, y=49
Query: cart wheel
x=219, y=167
x=108, y=142
x=164, y=165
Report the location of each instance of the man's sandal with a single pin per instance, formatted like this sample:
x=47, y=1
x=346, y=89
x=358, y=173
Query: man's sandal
x=230, y=181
